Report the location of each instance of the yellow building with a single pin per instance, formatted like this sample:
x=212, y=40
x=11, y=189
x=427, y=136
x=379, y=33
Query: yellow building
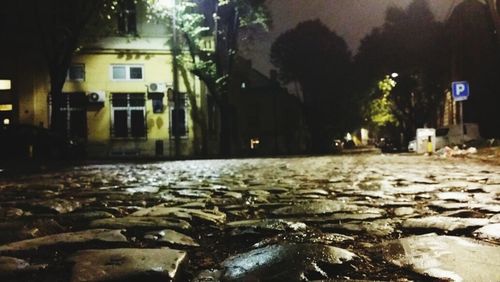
x=117, y=95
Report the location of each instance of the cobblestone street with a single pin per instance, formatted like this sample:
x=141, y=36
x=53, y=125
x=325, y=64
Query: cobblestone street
x=361, y=217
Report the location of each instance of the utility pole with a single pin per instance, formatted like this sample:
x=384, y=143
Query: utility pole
x=175, y=71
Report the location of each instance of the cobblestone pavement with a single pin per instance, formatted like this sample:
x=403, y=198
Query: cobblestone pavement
x=336, y=218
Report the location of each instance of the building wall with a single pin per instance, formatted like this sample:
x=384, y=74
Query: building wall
x=24, y=64
x=157, y=68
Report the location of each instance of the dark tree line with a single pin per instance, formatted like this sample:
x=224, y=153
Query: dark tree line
x=423, y=56
x=320, y=62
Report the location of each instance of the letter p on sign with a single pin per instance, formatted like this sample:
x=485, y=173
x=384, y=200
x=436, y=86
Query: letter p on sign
x=460, y=90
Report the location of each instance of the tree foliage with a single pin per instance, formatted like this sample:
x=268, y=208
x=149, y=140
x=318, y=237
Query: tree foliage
x=225, y=20
x=414, y=45
x=319, y=60
x=61, y=26
x=381, y=111
x=66, y=25
x=475, y=57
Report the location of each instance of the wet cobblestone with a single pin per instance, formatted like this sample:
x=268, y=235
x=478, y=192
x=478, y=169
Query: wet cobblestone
x=216, y=211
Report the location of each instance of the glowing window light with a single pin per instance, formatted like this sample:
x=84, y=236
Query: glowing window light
x=254, y=142
x=5, y=84
x=5, y=107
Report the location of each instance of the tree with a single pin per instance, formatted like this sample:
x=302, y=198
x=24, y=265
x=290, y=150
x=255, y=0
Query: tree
x=475, y=57
x=225, y=20
x=494, y=8
x=381, y=110
x=319, y=60
x=414, y=45
x=62, y=26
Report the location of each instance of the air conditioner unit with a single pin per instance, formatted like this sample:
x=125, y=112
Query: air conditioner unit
x=96, y=96
x=156, y=87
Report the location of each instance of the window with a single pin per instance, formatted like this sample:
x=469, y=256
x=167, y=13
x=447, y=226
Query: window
x=128, y=115
x=74, y=114
x=76, y=72
x=127, y=17
x=157, y=102
x=127, y=72
x=178, y=121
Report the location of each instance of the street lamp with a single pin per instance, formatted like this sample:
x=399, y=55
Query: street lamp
x=171, y=5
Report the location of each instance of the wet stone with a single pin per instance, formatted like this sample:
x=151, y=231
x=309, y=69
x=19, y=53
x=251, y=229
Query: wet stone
x=492, y=188
x=21, y=230
x=464, y=214
x=444, y=223
x=10, y=266
x=102, y=235
x=305, y=237
x=398, y=203
x=57, y=205
x=259, y=193
x=341, y=216
x=11, y=212
x=454, y=196
x=314, y=207
x=132, y=222
x=495, y=218
x=213, y=216
x=123, y=264
x=489, y=232
x=443, y=205
x=318, y=192
x=143, y=189
x=172, y=237
x=292, y=262
x=377, y=228
x=414, y=189
x=264, y=225
x=446, y=257
x=193, y=193
x=234, y=195
x=85, y=216
x=402, y=211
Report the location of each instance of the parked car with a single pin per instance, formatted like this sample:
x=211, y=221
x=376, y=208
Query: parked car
x=31, y=142
x=337, y=146
x=389, y=145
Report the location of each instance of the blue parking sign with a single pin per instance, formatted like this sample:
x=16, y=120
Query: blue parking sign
x=460, y=90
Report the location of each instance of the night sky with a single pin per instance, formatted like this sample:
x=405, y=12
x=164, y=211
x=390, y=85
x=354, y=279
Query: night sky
x=351, y=19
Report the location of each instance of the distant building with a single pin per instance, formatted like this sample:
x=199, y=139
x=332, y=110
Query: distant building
x=268, y=120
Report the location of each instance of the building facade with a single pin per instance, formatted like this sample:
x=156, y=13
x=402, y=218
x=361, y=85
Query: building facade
x=118, y=95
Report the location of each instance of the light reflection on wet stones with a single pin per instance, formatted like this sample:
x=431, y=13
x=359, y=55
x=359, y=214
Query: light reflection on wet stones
x=229, y=207
x=123, y=264
x=301, y=261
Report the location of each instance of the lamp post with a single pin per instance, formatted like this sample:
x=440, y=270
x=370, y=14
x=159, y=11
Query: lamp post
x=171, y=5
